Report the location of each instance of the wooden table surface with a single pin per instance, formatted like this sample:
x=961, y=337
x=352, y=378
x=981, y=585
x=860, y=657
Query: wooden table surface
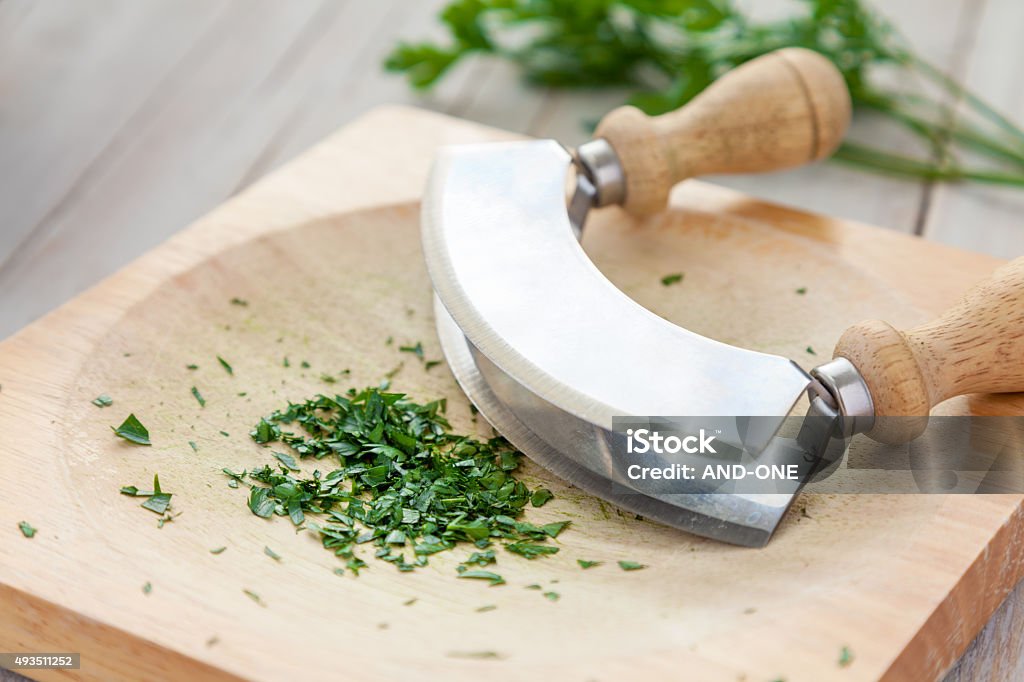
x=122, y=121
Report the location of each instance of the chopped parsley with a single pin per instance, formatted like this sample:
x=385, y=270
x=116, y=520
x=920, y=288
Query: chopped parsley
x=630, y=566
x=192, y=444
x=404, y=483
x=540, y=497
x=199, y=397
x=255, y=597
x=133, y=431
x=147, y=588
x=801, y=291
x=674, y=278
x=416, y=350
x=810, y=351
x=272, y=554
x=239, y=302
x=492, y=578
x=845, y=657
x=27, y=529
x=103, y=400
x=587, y=564
x=430, y=364
x=157, y=500
x=225, y=365
x=218, y=550
x=192, y=366
x=553, y=596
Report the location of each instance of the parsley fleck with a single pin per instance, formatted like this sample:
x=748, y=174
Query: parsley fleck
x=801, y=291
x=239, y=302
x=198, y=396
x=492, y=578
x=147, y=588
x=304, y=365
x=192, y=444
x=845, y=657
x=587, y=564
x=255, y=597
x=285, y=362
x=553, y=596
x=674, y=278
x=485, y=609
x=103, y=400
x=810, y=351
x=133, y=431
x=218, y=550
x=272, y=554
x=225, y=365
x=541, y=497
x=430, y=364
x=26, y=529
x=630, y=566
x=416, y=350
x=191, y=366
x=158, y=501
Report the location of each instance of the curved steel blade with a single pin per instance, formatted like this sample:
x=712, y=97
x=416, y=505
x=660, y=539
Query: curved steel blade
x=555, y=350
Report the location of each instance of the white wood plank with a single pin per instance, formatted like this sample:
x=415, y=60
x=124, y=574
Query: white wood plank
x=974, y=216
x=177, y=156
x=935, y=30
x=72, y=74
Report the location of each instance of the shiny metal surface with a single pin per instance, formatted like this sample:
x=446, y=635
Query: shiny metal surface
x=851, y=395
x=505, y=263
x=577, y=451
x=549, y=350
x=601, y=165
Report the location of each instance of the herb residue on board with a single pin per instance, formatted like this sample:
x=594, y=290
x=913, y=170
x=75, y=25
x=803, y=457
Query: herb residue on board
x=404, y=483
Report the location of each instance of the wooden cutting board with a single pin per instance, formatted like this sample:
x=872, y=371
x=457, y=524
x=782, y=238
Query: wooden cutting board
x=326, y=252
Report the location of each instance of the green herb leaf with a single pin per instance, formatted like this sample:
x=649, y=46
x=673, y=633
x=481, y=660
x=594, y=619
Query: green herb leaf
x=587, y=564
x=272, y=554
x=553, y=596
x=191, y=366
x=255, y=597
x=485, y=609
x=103, y=400
x=287, y=460
x=239, y=302
x=225, y=365
x=159, y=500
x=674, y=278
x=192, y=444
x=810, y=351
x=492, y=578
x=416, y=350
x=631, y=566
x=540, y=497
x=801, y=291
x=845, y=657
x=26, y=529
x=218, y=550
x=198, y=397
x=260, y=502
x=133, y=431
x=147, y=588
x=430, y=364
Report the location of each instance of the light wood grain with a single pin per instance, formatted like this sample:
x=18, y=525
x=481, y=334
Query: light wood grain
x=331, y=273
x=972, y=348
x=784, y=109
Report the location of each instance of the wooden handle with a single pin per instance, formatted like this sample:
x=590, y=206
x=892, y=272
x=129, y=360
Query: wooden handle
x=977, y=346
x=780, y=110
